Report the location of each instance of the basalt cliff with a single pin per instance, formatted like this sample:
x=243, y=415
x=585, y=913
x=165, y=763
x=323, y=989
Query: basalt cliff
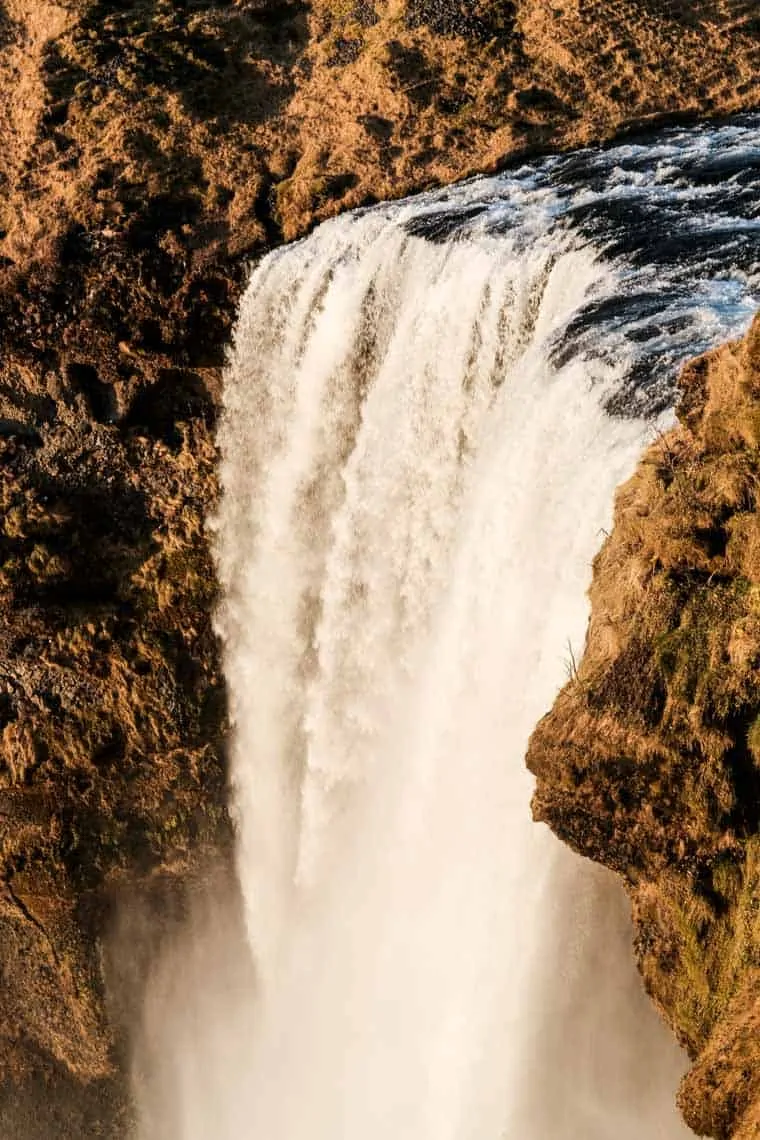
x=153, y=149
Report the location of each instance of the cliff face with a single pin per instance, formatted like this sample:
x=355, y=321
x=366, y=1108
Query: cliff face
x=650, y=760
x=150, y=149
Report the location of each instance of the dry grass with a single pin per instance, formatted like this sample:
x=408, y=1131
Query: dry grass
x=650, y=761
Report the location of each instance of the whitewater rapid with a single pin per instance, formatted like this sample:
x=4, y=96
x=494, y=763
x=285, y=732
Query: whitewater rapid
x=427, y=411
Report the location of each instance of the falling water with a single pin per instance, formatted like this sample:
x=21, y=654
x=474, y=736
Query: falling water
x=428, y=408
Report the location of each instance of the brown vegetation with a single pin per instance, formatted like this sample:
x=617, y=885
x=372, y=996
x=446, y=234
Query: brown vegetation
x=650, y=760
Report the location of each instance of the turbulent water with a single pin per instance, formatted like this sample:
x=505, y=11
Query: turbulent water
x=428, y=408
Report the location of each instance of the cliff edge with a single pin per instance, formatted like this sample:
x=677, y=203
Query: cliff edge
x=649, y=761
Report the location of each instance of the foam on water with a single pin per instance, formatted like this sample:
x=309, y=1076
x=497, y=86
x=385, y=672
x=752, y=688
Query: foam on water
x=419, y=454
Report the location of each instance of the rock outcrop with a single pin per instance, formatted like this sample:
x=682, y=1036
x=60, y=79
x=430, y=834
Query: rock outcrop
x=151, y=149
x=649, y=761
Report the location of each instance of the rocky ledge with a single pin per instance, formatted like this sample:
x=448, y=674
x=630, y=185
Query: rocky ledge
x=649, y=761
x=151, y=150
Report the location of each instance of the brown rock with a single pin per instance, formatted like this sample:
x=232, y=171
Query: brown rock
x=649, y=761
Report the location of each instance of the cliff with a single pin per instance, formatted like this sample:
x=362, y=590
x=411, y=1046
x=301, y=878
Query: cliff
x=649, y=761
x=151, y=149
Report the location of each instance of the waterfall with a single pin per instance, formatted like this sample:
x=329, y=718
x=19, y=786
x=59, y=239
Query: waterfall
x=428, y=408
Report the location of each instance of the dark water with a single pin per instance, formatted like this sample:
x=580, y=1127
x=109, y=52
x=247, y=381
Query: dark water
x=676, y=213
